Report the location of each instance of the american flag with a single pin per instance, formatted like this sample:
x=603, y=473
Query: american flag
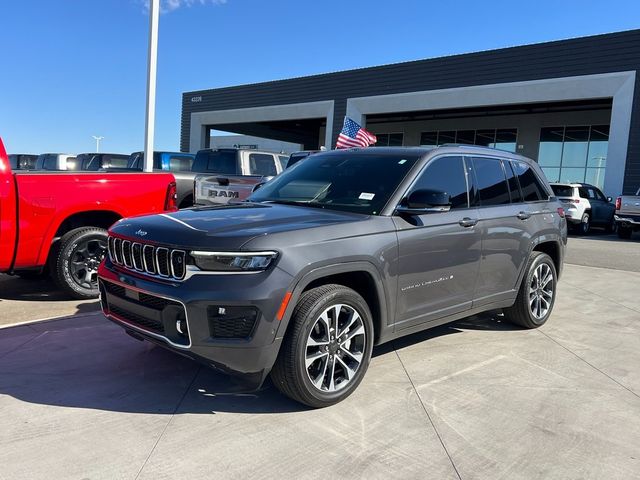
x=353, y=135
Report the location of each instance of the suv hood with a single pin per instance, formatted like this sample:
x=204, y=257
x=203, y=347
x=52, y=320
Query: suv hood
x=226, y=227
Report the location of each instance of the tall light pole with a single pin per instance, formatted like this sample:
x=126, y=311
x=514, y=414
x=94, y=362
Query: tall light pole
x=152, y=58
x=97, y=139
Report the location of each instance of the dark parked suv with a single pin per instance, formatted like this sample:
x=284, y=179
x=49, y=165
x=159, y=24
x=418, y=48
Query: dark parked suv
x=347, y=250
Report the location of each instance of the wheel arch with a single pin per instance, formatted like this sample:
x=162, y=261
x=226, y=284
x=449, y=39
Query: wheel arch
x=552, y=248
x=361, y=277
x=88, y=218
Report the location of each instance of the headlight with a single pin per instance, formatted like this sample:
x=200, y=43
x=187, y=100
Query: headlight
x=233, y=261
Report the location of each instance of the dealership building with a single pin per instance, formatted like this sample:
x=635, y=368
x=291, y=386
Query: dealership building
x=572, y=105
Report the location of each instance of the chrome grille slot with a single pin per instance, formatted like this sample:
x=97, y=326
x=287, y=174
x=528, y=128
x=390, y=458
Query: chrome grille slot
x=155, y=261
x=162, y=261
x=126, y=253
x=117, y=250
x=136, y=254
x=149, y=259
x=110, y=249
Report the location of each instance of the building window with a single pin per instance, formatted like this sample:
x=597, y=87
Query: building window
x=574, y=154
x=501, y=138
x=389, y=139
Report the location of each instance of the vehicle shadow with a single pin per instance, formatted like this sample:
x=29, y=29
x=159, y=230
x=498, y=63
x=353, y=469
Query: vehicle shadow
x=36, y=289
x=96, y=366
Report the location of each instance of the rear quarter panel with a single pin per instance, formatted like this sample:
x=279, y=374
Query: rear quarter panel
x=7, y=211
x=47, y=199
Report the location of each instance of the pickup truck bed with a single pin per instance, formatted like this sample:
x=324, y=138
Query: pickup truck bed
x=58, y=221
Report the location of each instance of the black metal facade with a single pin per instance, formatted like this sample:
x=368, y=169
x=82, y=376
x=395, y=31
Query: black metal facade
x=597, y=54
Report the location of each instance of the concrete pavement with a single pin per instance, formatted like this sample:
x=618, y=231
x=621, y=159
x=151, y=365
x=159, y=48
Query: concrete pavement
x=477, y=399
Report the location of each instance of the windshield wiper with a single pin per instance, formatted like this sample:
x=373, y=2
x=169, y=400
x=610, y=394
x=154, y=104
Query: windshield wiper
x=297, y=203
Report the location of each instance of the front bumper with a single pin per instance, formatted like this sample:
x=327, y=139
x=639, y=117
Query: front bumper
x=202, y=317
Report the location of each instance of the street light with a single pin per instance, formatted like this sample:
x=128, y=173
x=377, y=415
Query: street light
x=154, y=11
x=97, y=139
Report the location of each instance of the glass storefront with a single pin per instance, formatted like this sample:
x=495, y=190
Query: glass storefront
x=389, y=139
x=500, y=138
x=571, y=154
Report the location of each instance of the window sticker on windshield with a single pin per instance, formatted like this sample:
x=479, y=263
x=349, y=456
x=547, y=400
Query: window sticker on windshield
x=366, y=196
x=402, y=162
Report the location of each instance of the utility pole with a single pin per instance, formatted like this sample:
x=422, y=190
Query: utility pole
x=97, y=139
x=152, y=58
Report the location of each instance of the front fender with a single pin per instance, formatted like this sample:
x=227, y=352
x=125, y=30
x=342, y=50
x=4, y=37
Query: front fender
x=314, y=272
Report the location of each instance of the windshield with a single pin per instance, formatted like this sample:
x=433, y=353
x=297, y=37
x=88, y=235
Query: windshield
x=562, y=190
x=356, y=182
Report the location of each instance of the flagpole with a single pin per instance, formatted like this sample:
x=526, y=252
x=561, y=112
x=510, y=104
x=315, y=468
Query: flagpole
x=152, y=58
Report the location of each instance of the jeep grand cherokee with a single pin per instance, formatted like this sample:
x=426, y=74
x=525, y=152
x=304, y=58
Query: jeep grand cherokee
x=346, y=250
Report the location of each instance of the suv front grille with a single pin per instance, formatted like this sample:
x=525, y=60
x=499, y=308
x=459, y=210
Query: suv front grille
x=162, y=261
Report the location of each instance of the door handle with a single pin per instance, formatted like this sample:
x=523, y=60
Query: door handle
x=468, y=222
x=523, y=215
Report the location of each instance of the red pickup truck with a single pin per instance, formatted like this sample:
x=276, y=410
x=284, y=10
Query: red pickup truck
x=58, y=221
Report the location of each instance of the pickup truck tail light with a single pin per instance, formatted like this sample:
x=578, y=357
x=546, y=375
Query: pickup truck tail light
x=171, y=202
x=618, y=203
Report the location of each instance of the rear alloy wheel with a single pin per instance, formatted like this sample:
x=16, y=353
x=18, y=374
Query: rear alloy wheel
x=585, y=224
x=327, y=349
x=75, y=267
x=537, y=293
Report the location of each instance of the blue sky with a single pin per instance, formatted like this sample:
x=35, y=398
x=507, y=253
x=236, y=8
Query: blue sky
x=76, y=68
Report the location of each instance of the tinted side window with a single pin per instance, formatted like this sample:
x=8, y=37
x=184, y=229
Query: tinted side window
x=445, y=174
x=50, y=162
x=262, y=164
x=491, y=182
x=180, y=163
x=512, y=180
x=584, y=193
x=532, y=189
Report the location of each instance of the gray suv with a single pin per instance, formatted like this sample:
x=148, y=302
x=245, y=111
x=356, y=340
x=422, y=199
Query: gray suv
x=346, y=250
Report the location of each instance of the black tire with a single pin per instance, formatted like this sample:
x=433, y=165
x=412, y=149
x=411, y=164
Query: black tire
x=290, y=374
x=611, y=227
x=624, y=232
x=585, y=224
x=86, y=247
x=521, y=312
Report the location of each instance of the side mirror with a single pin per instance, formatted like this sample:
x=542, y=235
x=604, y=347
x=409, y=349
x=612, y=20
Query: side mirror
x=609, y=199
x=425, y=201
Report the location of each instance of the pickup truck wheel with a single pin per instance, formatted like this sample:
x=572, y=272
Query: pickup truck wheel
x=537, y=293
x=585, y=224
x=327, y=349
x=624, y=232
x=76, y=263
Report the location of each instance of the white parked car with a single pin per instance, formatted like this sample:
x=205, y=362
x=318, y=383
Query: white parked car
x=585, y=206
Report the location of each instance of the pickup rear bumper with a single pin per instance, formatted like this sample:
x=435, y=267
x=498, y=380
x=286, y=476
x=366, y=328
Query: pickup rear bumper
x=627, y=220
x=209, y=318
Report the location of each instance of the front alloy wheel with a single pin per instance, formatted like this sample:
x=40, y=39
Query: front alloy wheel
x=327, y=347
x=335, y=348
